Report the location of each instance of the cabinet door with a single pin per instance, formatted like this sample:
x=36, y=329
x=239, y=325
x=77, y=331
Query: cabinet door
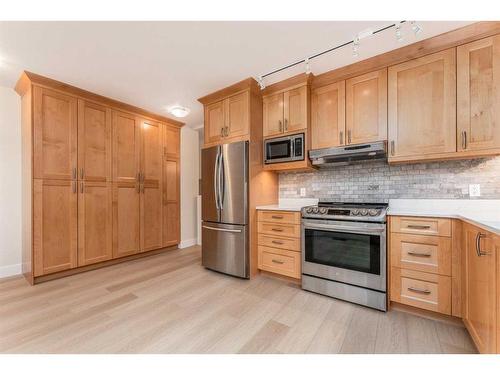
x=478, y=82
x=151, y=217
x=94, y=142
x=237, y=115
x=151, y=152
x=481, y=310
x=273, y=115
x=422, y=106
x=171, y=214
x=295, y=110
x=366, y=108
x=126, y=147
x=214, y=122
x=328, y=116
x=54, y=135
x=95, y=235
x=54, y=225
x=171, y=142
x=126, y=218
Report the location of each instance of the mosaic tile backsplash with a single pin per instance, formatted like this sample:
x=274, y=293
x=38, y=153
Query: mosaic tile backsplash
x=377, y=181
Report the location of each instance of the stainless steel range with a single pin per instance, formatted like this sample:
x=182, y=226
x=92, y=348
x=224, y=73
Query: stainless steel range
x=344, y=251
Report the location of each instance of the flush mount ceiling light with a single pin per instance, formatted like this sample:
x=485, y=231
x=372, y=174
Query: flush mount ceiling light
x=179, y=111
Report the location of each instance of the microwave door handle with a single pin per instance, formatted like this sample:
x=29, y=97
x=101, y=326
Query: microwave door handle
x=292, y=147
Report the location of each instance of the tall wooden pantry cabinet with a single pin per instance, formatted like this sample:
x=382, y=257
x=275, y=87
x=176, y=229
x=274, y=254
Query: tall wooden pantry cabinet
x=100, y=179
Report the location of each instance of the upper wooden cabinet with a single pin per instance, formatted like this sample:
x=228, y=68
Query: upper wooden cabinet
x=126, y=147
x=151, y=151
x=286, y=112
x=214, y=122
x=366, y=108
x=54, y=135
x=94, y=142
x=422, y=107
x=480, y=273
x=478, y=95
x=328, y=116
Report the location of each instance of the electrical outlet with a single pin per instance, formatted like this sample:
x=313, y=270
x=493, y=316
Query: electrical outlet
x=302, y=192
x=474, y=190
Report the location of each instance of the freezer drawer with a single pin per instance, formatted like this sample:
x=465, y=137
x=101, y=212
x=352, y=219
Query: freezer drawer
x=225, y=248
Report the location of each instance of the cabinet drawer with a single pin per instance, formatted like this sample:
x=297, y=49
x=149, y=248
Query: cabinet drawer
x=286, y=230
x=421, y=253
x=421, y=225
x=423, y=290
x=285, y=217
x=280, y=242
x=283, y=262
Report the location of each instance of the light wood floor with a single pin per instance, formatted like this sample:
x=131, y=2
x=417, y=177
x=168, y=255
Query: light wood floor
x=168, y=303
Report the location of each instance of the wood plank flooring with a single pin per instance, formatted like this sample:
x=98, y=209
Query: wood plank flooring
x=168, y=303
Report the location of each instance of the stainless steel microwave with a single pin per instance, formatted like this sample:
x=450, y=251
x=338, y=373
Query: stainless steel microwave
x=284, y=149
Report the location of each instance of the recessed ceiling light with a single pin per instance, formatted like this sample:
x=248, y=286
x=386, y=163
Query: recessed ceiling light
x=179, y=111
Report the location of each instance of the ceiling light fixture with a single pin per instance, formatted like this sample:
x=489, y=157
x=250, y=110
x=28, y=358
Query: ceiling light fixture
x=399, y=34
x=179, y=111
x=417, y=29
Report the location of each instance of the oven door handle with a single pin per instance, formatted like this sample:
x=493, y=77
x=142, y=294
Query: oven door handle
x=336, y=228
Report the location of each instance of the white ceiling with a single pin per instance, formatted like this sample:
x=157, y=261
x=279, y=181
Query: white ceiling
x=157, y=64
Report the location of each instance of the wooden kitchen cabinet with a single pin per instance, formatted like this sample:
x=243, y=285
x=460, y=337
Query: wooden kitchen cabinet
x=126, y=147
x=171, y=187
x=54, y=134
x=286, y=112
x=151, y=208
x=478, y=96
x=366, y=108
x=481, y=310
x=126, y=218
x=214, y=122
x=422, y=108
x=328, y=116
x=95, y=232
x=94, y=142
x=55, y=225
x=151, y=152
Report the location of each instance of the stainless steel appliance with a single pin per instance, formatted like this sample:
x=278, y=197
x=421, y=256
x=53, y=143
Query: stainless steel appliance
x=224, y=188
x=344, y=252
x=284, y=149
x=333, y=156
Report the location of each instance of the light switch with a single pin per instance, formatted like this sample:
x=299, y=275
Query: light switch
x=302, y=192
x=474, y=190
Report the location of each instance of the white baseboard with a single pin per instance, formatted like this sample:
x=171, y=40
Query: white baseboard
x=11, y=270
x=187, y=243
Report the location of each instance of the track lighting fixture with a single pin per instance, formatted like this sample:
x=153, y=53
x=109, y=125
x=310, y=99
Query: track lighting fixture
x=399, y=34
x=308, y=68
x=260, y=80
x=355, y=47
x=417, y=29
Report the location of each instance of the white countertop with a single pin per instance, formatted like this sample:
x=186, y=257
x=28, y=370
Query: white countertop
x=484, y=213
x=289, y=204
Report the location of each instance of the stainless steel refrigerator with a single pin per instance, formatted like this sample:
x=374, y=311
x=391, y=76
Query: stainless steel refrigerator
x=224, y=185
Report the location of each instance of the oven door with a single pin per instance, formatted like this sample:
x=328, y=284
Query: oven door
x=348, y=252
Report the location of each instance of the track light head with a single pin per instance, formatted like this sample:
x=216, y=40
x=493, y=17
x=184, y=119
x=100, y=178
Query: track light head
x=355, y=47
x=260, y=80
x=399, y=34
x=308, y=68
x=417, y=29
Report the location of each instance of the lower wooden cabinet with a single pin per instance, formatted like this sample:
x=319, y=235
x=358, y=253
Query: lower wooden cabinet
x=126, y=219
x=151, y=217
x=279, y=248
x=55, y=226
x=481, y=294
x=95, y=230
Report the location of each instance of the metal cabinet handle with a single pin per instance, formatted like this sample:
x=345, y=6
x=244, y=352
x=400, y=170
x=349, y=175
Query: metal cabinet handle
x=73, y=173
x=73, y=185
x=464, y=139
x=423, y=255
x=277, y=217
x=81, y=187
x=393, y=148
x=341, y=137
x=277, y=242
x=286, y=124
x=222, y=132
x=226, y=132
x=81, y=173
x=479, y=252
x=281, y=126
x=349, y=136
x=414, y=226
x=277, y=261
x=277, y=229
x=421, y=291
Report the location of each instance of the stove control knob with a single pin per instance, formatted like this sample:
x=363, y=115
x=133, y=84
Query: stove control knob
x=364, y=212
x=309, y=210
x=355, y=212
x=323, y=210
x=373, y=212
x=315, y=210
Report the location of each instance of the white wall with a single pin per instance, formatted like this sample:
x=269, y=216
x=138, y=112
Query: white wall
x=190, y=174
x=10, y=182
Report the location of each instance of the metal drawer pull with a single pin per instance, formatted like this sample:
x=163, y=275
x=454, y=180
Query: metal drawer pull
x=277, y=217
x=412, y=226
x=479, y=252
x=277, y=261
x=277, y=242
x=421, y=291
x=222, y=229
x=277, y=229
x=423, y=255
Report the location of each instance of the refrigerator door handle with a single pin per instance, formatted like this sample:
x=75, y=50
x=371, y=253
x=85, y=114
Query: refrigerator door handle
x=216, y=173
x=221, y=181
x=222, y=229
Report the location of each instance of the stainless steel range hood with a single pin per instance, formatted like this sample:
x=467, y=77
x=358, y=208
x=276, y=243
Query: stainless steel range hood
x=334, y=156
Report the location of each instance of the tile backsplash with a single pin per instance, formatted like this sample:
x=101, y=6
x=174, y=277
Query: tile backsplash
x=377, y=181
